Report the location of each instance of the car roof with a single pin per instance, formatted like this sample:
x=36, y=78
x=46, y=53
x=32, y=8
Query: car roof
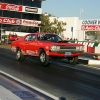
x=42, y=33
x=38, y=33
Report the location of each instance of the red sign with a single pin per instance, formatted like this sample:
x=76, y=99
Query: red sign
x=11, y=7
x=91, y=27
x=6, y=20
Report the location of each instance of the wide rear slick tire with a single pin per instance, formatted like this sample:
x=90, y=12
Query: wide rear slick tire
x=19, y=56
x=73, y=60
x=44, y=58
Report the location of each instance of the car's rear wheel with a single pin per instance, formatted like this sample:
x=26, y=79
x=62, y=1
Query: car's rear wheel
x=44, y=58
x=19, y=55
x=72, y=60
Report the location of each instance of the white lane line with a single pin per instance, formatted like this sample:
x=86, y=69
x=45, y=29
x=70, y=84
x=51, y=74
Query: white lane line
x=33, y=87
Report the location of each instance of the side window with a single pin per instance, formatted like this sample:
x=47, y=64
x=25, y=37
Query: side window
x=42, y=37
x=28, y=38
x=33, y=37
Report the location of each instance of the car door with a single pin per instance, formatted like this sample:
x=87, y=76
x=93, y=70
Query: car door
x=30, y=44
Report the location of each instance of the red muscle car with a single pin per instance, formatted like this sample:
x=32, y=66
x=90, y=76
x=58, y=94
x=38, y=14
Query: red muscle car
x=46, y=46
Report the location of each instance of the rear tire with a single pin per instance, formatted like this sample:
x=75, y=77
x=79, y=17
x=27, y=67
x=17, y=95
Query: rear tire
x=44, y=58
x=72, y=60
x=19, y=56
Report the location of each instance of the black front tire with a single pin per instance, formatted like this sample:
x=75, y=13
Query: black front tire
x=73, y=60
x=44, y=58
x=19, y=56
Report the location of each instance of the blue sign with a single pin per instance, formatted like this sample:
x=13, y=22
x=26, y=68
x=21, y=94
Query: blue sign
x=71, y=29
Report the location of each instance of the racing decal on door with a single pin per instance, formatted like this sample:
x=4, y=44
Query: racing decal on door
x=23, y=52
x=30, y=52
x=13, y=48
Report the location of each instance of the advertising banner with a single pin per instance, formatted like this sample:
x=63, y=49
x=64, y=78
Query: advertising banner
x=11, y=7
x=16, y=21
x=6, y=20
x=30, y=22
x=90, y=27
x=20, y=8
x=34, y=10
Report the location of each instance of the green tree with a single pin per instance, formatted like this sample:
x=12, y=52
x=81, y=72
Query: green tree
x=54, y=26
x=90, y=33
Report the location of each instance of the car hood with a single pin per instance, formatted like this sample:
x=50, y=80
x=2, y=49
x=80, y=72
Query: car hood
x=67, y=44
x=62, y=43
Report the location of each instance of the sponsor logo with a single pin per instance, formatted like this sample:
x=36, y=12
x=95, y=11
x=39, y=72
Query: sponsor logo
x=91, y=27
x=10, y=20
x=12, y=7
x=18, y=21
x=30, y=23
x=91, y=22
x=29, y=9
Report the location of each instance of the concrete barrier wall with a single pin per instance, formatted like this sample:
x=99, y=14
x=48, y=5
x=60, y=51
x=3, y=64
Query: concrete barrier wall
x=97, y=50
x=90, y=47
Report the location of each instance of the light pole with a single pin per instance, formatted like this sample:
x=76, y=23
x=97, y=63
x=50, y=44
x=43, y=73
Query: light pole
x=81, y=10
x=39, y=29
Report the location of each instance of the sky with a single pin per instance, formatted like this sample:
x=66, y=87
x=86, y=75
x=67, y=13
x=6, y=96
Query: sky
x=71, y=8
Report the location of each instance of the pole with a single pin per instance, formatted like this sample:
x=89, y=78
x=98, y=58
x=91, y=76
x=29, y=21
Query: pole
x=39, y=29
x=80, y=13
x=81, y=10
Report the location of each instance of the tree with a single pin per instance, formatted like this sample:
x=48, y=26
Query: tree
x=54, y=26
x=90, y=33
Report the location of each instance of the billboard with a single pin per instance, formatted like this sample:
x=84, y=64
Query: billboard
x=90, y=27
x=20, y=8
x=16, y=21
x=7, y=20
x=30, y=23
x=11, y=7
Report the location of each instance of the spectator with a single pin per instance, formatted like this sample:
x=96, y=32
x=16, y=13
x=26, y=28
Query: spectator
x=76, y=40
x=68, y=39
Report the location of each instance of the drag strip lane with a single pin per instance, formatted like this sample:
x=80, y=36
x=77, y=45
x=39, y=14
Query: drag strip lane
x=22, y=89
x=56, y=79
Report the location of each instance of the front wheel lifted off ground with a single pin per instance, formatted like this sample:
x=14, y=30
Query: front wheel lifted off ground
x=44, y=58
x=19, y=55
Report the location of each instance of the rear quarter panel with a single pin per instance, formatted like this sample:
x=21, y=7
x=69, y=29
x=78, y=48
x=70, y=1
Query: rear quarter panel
x=17, y=44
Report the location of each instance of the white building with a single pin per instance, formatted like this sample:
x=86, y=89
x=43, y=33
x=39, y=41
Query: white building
x=72, y=27
x=76, y=28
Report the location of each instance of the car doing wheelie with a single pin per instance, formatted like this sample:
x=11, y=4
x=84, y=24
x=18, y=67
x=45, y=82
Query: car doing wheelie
x=46, y=46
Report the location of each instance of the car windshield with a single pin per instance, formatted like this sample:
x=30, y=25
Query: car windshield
x=49, y=37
